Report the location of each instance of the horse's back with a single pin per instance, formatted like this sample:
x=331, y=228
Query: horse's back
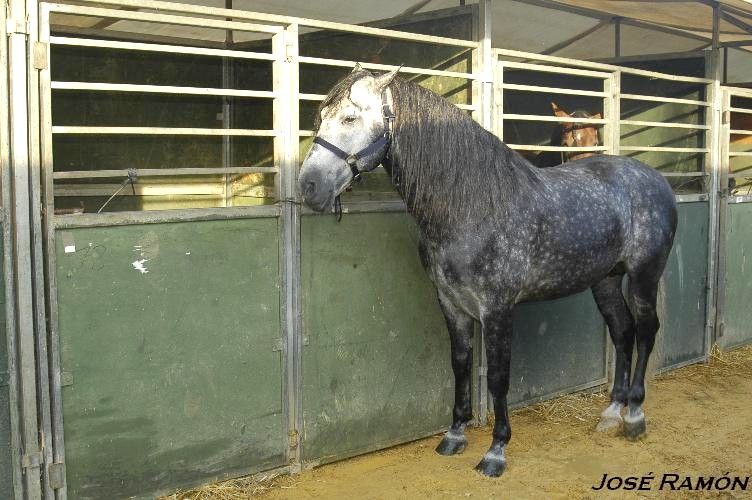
x=634, y=193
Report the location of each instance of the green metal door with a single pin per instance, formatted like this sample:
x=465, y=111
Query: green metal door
x=170, y=354
x=737, y=314
x=376, y=363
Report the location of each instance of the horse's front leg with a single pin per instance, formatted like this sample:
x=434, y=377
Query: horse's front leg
x=460, y=326
x=497, y=333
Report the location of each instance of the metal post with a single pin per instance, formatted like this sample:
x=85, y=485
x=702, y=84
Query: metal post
x=56, y=480
x=484, y=65
x=8, y=261
x=286, y=155
x=228, y=81
x=717, y=192
x=21, y=247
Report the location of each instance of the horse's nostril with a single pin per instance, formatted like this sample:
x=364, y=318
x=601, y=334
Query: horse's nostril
x=309, y=189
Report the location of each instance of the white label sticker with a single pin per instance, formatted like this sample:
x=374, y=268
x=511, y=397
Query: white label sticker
x=70, y=248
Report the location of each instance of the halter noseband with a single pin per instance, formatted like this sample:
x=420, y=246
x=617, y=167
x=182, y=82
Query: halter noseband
x=384, y=141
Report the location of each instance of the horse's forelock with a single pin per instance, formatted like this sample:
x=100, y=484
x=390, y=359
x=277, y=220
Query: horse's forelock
x=340, y=90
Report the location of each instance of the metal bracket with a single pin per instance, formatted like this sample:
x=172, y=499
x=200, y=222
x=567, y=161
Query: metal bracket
x=31, y=460
x=288, y=52
x=482, y=371
x=279, y=344
x=66, y=379
x=15, y=27
x=293, y=436
x=56, y=475
x=40, y=55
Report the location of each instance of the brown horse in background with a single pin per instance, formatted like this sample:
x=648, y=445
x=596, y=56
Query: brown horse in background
x=569, y=134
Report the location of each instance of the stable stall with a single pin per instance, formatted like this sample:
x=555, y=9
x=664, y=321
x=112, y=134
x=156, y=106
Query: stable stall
x=175, y=316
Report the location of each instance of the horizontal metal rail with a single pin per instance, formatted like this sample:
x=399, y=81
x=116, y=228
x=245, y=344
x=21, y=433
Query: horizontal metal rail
x=321, y=97
x=160, y=48
x=578, y=149
x=162, y=172
x=162, y=131
x=740, y=175
x=741, y=110
x=322, y=61
x=684, y=174
x=662, y=149
x=740, y=153
x=163, y=18
x=554, y=69
x=545, y=118
x=161, y=216
x=639, y=123
x=740, y=132
x=600, y=66
x=672, y=100
x=161, y=89
x=286, y=20
x=553, y=90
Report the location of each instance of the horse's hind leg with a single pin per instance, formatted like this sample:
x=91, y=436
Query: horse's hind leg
x=643, y=289
x=460, y=326
x=621, y=326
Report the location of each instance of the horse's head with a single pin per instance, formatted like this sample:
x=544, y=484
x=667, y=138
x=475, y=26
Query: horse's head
x=353, y=133
x=576, y=134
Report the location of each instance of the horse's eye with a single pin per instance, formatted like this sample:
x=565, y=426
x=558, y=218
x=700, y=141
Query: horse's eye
x=349, y=119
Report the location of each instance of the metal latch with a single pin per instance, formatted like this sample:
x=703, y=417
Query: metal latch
x=56, y=475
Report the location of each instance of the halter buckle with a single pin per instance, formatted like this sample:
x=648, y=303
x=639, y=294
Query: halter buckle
x=351, y=159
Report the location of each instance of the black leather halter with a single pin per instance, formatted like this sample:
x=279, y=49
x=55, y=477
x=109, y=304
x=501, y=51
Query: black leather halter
x=384, y=141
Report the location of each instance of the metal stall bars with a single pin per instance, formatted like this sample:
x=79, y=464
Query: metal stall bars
x=647, y=112
x=735, y=216
x=525, y=87
x=91, y=290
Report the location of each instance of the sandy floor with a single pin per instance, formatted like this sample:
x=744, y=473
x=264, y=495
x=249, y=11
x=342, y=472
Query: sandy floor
x=699, y=423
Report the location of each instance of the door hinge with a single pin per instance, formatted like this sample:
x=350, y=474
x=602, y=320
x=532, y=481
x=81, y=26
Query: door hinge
x=293, y=438
x=56, y=475
x=40, y=55
x=31, y=460
x=14, y=26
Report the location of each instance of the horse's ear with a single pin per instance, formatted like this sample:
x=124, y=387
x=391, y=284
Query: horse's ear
x=558, y=111
x=357, y=67
x=383, y=80
x=597, y=116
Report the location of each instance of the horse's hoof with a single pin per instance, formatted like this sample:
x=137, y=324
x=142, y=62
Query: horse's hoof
x=610, y=418
x=634, y=425
x=491, y=467
x=452, y=445
x=608, y=424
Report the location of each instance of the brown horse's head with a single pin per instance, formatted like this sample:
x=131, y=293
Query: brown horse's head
x=575, y=134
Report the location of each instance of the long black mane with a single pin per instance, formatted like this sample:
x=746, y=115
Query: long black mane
x=450, y=168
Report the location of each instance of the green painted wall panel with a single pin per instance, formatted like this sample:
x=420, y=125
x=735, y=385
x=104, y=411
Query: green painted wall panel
x=682, y=297
x=737, y=314
x=376, y=370
x=558, y=345
x=170, y=376
x=6, y=459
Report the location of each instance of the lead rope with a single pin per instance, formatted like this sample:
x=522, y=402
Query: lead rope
x=338, y=208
